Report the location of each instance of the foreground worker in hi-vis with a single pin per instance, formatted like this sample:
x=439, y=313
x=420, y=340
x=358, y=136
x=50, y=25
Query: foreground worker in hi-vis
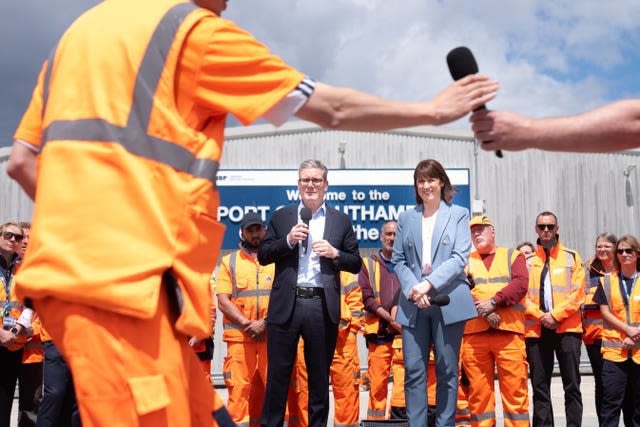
x=126, y=124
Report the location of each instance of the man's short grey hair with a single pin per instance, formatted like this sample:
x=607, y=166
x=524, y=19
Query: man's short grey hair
x=314, y=164
x=391, y=221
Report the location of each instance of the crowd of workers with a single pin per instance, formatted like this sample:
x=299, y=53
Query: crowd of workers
x=533, y=302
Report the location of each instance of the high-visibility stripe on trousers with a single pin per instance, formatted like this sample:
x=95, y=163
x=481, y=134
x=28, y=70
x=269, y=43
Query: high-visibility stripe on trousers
x=129, y=371
x=245, y=375
x=481, y=353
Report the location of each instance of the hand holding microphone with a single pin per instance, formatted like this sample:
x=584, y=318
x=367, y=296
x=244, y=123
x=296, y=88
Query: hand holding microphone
x=461, y=64
x=305, y=216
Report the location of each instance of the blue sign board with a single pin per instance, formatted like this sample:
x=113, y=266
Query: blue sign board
x=369, y=196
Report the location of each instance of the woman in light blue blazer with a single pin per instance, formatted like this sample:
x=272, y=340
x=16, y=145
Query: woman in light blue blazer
x=430, y=252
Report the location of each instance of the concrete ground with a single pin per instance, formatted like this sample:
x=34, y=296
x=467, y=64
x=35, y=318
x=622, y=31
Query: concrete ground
x=588, y=419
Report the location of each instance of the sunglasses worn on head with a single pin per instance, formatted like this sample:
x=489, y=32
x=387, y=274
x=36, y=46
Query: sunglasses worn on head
x=542, y=227
x=625, y=251
x=7, y=235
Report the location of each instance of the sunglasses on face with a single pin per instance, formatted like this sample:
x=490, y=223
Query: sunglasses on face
x=543, y=227
x=625, y=251
x=7, y=235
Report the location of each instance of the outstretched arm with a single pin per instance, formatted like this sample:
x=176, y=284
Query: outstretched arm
x=614, y=127
x=348, y=109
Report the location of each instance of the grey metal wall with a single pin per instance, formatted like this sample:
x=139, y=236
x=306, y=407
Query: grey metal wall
x=14, y=204
x=588, y=192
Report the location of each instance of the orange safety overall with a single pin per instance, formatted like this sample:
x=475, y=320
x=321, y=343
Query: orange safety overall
x=128, y=121
x=485, y=348
x=248, y=285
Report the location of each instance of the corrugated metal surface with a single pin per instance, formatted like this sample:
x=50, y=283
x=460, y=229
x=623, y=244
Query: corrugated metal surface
x=586, y=191
x=14, y=204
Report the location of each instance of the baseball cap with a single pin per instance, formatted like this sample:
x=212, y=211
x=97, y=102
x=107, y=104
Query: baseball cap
x=249, y=219
x=480, y=220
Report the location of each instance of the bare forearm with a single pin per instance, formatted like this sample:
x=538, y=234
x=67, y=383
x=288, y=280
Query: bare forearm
x=22, y=167
x=348, y=109
x=614, y=127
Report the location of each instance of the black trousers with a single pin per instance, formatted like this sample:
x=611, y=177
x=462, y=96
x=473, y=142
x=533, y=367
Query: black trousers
x=618, y=377
x=29, y=378
x=58, y=407
x=310, y=321
x=540, y=353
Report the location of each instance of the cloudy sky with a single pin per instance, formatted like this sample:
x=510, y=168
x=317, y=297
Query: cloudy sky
x=551, y=57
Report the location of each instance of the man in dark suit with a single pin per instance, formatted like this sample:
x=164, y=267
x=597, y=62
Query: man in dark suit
x=305, y=297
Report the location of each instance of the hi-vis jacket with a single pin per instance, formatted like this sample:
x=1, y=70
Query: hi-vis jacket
x=248, y=285
x=487, y=284
x=351, y=306
x=567, y=277
x=128, y=159
x=611, y=337
x=372, y=265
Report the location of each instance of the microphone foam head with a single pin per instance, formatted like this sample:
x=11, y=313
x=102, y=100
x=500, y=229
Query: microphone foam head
x=305, y=214
x=461, y=63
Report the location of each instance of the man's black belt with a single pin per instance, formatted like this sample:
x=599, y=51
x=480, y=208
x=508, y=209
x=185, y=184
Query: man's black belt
x=303, y=292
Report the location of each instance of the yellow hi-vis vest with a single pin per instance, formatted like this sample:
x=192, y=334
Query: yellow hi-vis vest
x=372, y=266
x=488, y=283
x=630, y=314
x=248, y=285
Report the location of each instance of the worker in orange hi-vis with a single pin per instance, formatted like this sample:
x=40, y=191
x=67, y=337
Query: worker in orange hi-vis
x=495, y=339
x=243, y=287
x=344, y=372
x=125, y=129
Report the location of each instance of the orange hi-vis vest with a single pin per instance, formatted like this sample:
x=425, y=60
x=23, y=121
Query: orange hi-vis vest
x=626, y=312
x=125, y=188
x=591, y=316
x=488, y=283
x=351, y=306
x=248, y=285
x=567, y=278
x=371, y=321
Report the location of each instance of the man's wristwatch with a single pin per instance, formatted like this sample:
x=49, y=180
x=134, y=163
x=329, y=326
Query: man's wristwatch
x=14, y=330
x=493, y=302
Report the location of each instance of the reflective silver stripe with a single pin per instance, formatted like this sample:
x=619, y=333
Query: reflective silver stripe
x=616, y=344
x=227, y=326
x=349, y=287
x=254, y=293
x=518, y=307
x=45, y=86
x=486, y=281
x=357, y=313
x=232, y=272
x=133, y=137
x=371, y=263
x=375, y=413
x=529, y=322
x=568, y=272
x=226, y=375
x=516, y=417
x=483, y=416
x=245, y=424
x=346, y=425
x=590, y=321
x=343, y=323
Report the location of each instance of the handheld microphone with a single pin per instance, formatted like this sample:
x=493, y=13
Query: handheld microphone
x=305, y=216
x=462, y=63
x=440, y=300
